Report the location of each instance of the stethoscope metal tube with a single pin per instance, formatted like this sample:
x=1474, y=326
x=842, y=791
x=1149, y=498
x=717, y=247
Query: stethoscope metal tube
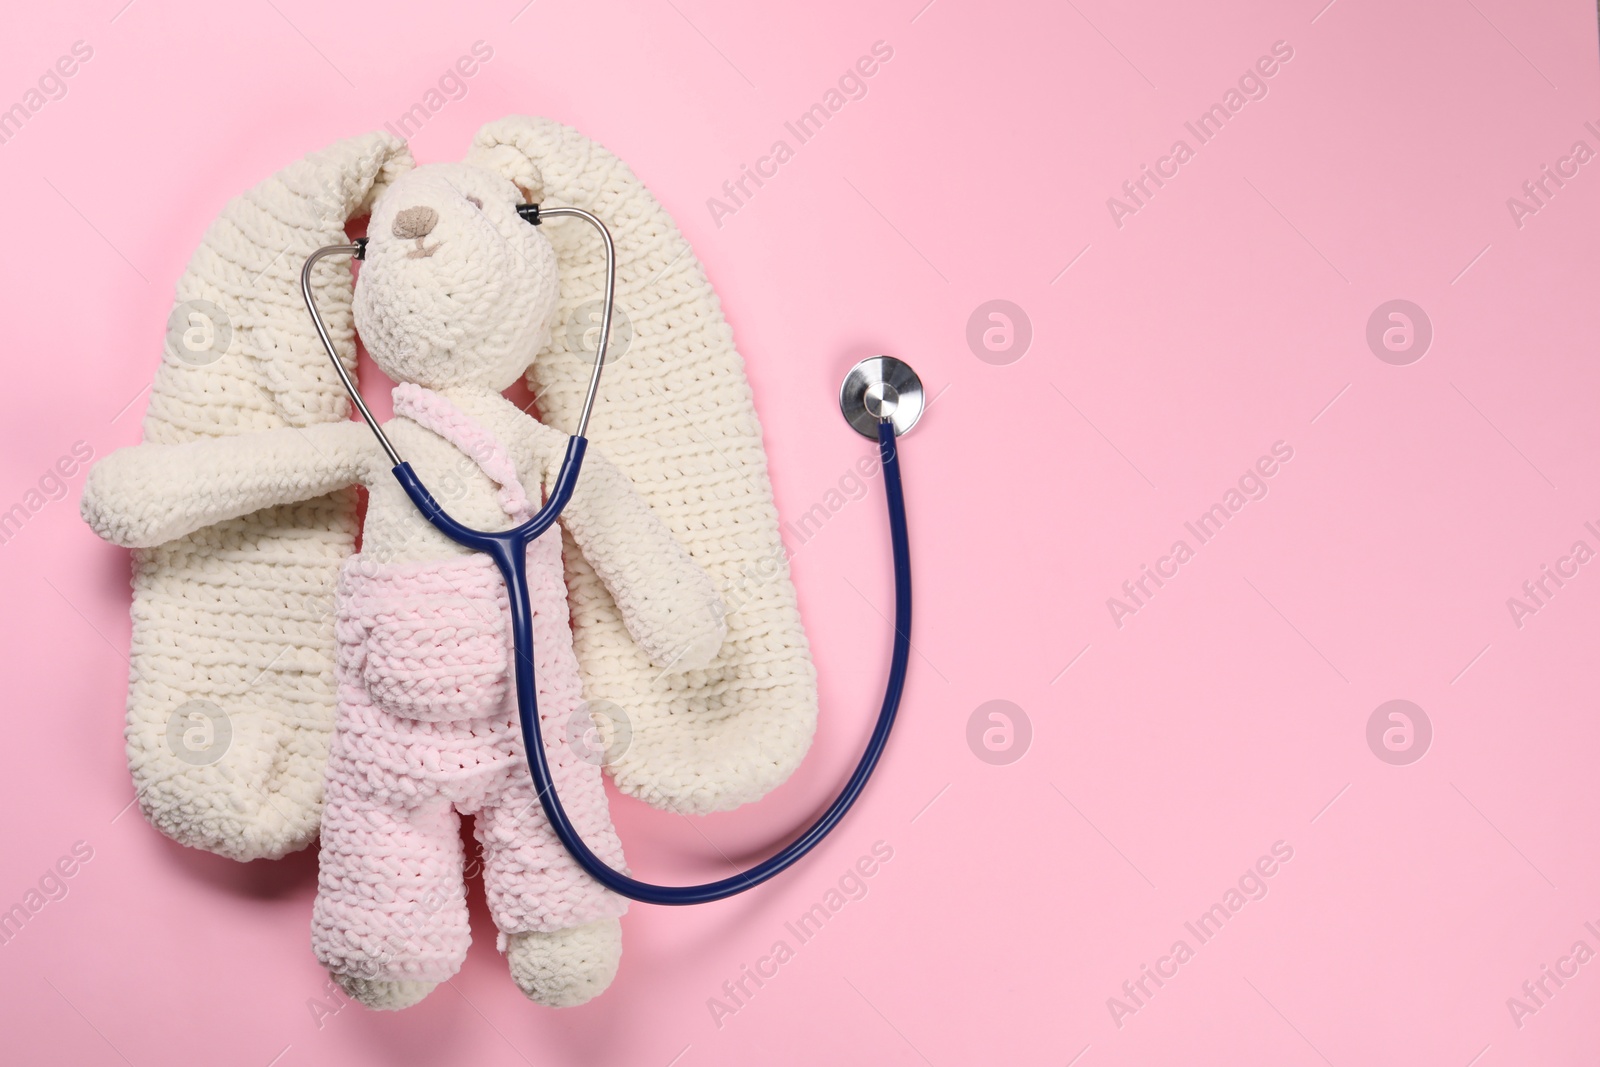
x=532, y=213
x=357, y=250
x=508, y=549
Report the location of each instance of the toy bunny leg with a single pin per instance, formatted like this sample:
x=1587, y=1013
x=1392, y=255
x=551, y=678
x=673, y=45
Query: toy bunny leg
x=558, y=926
x=531, y=881
x=390, y=919
x=411, y=745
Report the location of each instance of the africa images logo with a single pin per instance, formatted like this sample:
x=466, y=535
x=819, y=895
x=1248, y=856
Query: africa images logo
x=851, y=85
x=852, y=885
x=1251, y=85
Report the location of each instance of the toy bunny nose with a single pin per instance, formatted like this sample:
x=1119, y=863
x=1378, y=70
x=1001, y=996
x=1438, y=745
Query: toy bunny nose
x=415, y=222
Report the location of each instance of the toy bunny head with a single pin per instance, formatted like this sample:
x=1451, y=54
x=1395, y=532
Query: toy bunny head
x=456, y=288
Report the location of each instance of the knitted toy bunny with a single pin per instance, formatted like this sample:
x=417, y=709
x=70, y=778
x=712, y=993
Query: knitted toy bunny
x=455, y=297
x=254, y=635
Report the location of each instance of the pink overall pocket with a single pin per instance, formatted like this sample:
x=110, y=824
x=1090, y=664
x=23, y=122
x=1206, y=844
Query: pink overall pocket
x=434, y=637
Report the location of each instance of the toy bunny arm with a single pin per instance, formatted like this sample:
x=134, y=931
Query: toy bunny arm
x=668, y=602
x=151, y=493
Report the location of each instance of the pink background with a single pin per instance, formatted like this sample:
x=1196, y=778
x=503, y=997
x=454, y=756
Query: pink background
x=1229, y=713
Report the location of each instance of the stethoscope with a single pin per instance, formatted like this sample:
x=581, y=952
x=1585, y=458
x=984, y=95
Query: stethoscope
x=881, y=397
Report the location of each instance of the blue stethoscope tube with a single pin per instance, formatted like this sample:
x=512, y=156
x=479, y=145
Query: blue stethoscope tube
x=897, y=395
x=509, y=550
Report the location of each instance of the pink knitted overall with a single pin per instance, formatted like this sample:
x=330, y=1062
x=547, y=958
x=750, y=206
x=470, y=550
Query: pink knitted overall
x=427, y=728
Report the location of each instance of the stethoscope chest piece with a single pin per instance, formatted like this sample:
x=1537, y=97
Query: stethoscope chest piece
x=881, y=387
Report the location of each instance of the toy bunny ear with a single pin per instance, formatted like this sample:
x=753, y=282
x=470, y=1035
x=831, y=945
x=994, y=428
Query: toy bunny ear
x=231, y=691
x=508, y=148
x=676, y=415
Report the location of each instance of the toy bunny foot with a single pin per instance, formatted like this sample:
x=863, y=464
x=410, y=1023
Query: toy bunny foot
x=384, y=995
x=565, y=968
